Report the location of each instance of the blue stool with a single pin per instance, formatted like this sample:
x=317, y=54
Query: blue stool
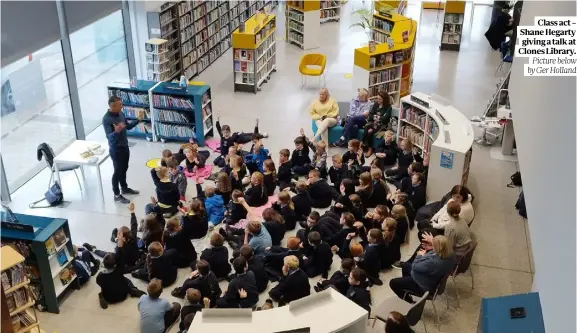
x=336, y=132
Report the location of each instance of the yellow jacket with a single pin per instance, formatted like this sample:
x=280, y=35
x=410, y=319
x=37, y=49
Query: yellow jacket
x=330, y=109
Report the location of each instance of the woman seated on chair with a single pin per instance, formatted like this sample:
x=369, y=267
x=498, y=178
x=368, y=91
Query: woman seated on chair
x=378, y=120
x=433, y=262
x=356, y=118
x=324, y=111
x=460, y=195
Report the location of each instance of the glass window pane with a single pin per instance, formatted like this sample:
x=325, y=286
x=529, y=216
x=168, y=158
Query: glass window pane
x=35, y=109
x=99, y=53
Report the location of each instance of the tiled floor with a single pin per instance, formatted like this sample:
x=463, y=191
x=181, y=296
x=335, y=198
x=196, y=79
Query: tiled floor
x=502, y=263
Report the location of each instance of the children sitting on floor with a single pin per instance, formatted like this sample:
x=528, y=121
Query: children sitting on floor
x=151, y=231
x=357, y=208
x=184, y=253
x=202, y=279
x=195, y=222
x=156, y=314
x=371, y=260
x=159, y=265
x=380, y=188
x=391, y=243
x=256, y=266
x=300, y=159
x=337, y=172
x=269, y=180
x=301, y=201
x=343, y=202
x=275, y=255
x=177, y=177
x=354, y=158
x=235, y=211
x=406, y=156
x=418, y=191
x=214, y=206
x=320, y=192
x=286, y=208
x=399, y=213
x=223, y=187
x=167, y=193
x=275, y=225
x=365, y=189
x=339, y=280
x=319, y=259
x=242, y=290
x=359, y=290
x=256, y=195
x=375, y=218
x=293, y=285
x=255, y=160
x=284, y=175
x=229, y=139
x=238, y=172
x=311, y=225
x=387, y=151
x=217, y=256
x=194, y=303
x=114, y=287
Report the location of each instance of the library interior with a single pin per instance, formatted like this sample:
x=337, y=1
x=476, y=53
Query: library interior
x=283, y=166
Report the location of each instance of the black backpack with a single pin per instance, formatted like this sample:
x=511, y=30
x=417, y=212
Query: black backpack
x=515, y=180
x=520, y=205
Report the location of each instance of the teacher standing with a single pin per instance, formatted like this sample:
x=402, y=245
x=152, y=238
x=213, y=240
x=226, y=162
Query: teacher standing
x=115, y=127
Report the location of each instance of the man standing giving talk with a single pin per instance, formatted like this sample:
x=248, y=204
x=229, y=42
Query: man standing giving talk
x=115, y=127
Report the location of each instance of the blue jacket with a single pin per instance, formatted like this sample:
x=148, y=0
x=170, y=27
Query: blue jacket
x=429, y=269
x=215, y=209
x=258, y=158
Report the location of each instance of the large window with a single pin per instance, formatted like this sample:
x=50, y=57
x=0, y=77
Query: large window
x=99, y=53
x=35, y=109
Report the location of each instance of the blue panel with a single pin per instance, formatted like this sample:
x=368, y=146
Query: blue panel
x=496, y=318
x=141, y=86
x=168, y=88
x=46, y=227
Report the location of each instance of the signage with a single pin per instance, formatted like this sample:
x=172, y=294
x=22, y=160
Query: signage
x=447, y=158
x=419, y=101
x=16, y=226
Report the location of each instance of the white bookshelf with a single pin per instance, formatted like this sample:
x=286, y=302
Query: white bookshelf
x=443, y=134
x=452, y=31
x=158, y=60
x=330, y=11
x=303, y=27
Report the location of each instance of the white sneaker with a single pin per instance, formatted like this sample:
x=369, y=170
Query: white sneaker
x=210, y=226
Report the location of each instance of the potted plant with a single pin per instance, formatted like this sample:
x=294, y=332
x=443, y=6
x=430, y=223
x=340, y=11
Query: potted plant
x=365, y=21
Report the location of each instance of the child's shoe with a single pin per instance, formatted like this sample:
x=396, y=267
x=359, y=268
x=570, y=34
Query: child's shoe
x=114, y=234
x=210, y=226
x=102, y=301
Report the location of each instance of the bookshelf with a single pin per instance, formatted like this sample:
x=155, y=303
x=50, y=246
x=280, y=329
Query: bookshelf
x=254, y=53
x=135, y=102
x=330, y=11
x=46, y=245
x=453, y=25
x=157, y=60
x=397, y=7
x=389, y=67
x=178, y=115
x=164, y=24
x=442, y=132
x=303, y=22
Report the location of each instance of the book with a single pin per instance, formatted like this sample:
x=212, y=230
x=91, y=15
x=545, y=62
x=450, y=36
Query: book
x=59, y=237
x=50, y=246
x=67, y=275
x=62, y=257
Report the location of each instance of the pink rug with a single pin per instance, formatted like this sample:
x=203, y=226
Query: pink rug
x=256, y=212
x=213, y=144
x=200, y=174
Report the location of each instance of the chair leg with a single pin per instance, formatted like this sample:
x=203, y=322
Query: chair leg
x=78, y=179
x=472, y=280
x=456, y=291
x=436, y=314
x=50, y=180
x=303, y=81
x=424, y=325
x=447, y=300
x=499, y=67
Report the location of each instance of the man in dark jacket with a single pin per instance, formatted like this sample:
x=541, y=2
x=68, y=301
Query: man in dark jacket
x=241, y=291
x=115, y=128
x=294, y=284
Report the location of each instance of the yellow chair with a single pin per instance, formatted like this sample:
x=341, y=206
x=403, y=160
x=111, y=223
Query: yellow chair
x=312, y=59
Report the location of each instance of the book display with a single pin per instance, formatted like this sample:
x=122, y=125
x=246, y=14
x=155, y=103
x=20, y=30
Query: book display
x=46, y=269
x=303, y=23
x=442, y=133
x=330, y=11
x=389, y=66
x=164, y=24
x=453, y=25
x=254, y=52
x=157, y=60
x=135, y=101
x=181, y=113
x=17, y=298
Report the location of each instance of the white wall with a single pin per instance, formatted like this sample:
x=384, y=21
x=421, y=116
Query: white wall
x=544, y=111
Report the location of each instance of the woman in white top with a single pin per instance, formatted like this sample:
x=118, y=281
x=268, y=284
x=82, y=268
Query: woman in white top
x=460, y=195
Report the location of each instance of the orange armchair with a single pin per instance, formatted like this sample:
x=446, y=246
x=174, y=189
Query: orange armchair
x=319, y=61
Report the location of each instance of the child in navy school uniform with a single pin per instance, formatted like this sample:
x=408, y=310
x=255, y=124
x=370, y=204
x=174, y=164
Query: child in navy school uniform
x=387, y=151
x=284, y=174
x=358, y=291
x=269, y=173
x=300, y=159
x=229, y=139
x=406, y=156
x=354, y=159
x=338, y=171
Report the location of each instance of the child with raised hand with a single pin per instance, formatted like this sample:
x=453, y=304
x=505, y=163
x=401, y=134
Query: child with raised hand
x=359, y=290
x=269, y=171
x=235, y=210
x=387, y=151
x=156, y=314
x=158, y=266
x=229, y=139
x=238, y=172
x=300, y=159
x=183, y=253
x=177, y=177
x=167, y=193
x=354, y=157
x=114, y=287
x=286, y=208
x=319, y=148
x=255, y=160
x=339, y=280
x=285, y=174
x=223, y=187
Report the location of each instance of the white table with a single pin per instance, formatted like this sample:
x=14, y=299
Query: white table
x=71, y=155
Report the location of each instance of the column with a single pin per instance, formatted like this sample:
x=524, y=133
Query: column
x=544, y=111
x=139, y=34
x=128, y=38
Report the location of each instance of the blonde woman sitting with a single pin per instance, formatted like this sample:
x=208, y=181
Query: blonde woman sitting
x=324, y=111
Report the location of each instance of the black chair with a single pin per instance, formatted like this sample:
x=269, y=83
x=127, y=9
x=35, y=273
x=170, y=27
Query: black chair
x=440, y=290
x=45, y=151
x=412, y=312
x=463, y=266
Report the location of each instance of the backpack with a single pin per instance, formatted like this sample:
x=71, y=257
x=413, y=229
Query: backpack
x=515, y=180
x=53, y=197
x=520, y=205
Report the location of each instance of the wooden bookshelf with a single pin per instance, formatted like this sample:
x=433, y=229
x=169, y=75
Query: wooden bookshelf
x=303, y=22
x=389, y=67
x=254, y=53
x=453, y=25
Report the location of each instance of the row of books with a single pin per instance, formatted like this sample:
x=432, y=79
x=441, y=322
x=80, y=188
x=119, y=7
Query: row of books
x=295, y=37
x=244, y=55
x=164, y=101
x=330, y=13
x=55, y=241
x=387, y=59
x=22, y=320
x=414, y=116
x=454, y=18
x=179, y=131
x=270, y=53
x=330, y=4
x=384, y=25
x=15, y=275
x=451, y=39
x=264, y=47
x=164, y=115
x=389, y=87
x=294, y=26
x=416, y=136
x=452, y=28
x=243, y=66
x=16, y=299
x=296, y=16
x=142, y=128
x=263, y=33
x=379, y=37
x=265, y=70
x=245, y=78
x=382, y=76
x=130, y=97
x=136, y=112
